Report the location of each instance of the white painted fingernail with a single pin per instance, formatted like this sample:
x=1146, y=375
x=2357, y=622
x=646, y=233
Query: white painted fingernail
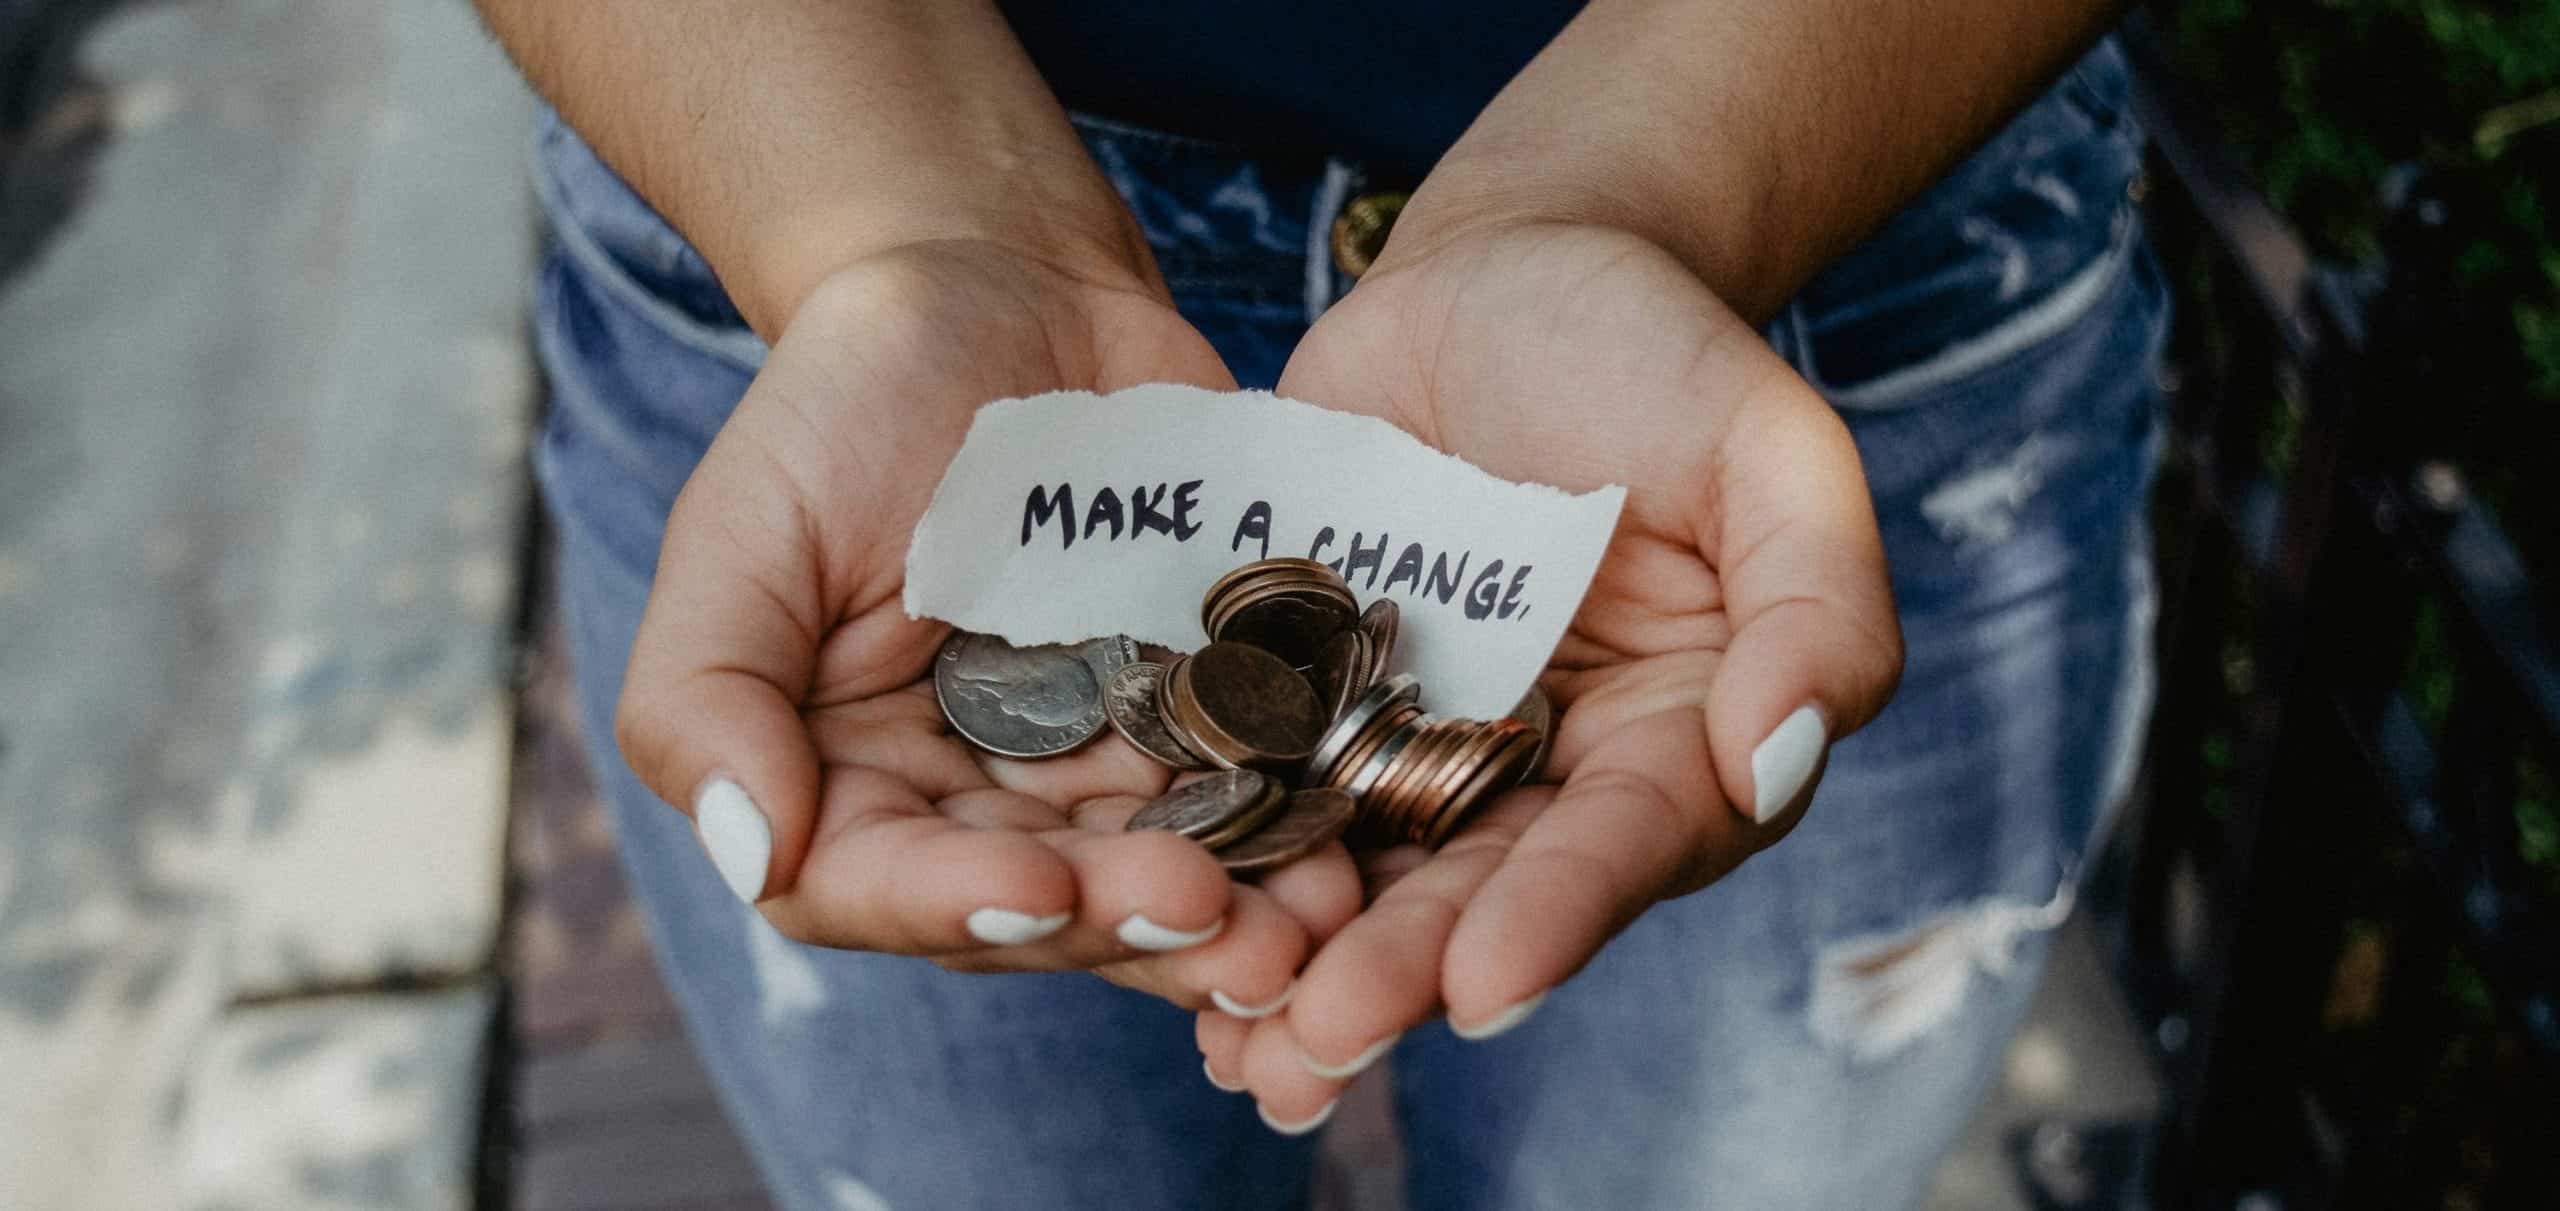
x=736, y=836
x=1234, y=1008
x=1144, y=934
x=1212, y=1074
x=1499, y=1022
x=1357, y=1065
x=1005, y=927
x=1313, y=1121
x=1784, y=760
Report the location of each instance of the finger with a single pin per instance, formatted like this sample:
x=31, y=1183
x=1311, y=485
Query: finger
x=1639, y=820
x=897, y=875
x=1247, y=971
x=1221, y=1038
x=709, y=714
x=1816, y=649
x=1322, y=891
x=1380, y=976
x=1293, y=1100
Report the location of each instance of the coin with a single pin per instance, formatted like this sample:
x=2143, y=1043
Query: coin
x=1105, y=657
x=1507, y=768
x=1206, y=806
x=1017, y=702
x=1325, y=765
x=1290, y=626
x=1314, y=817
x=1247, y=706
x=1538, y=712
x=1342, y=672
x=1175, y=717
x=1129, y=702
x=1381, y=622
x=1262, y=811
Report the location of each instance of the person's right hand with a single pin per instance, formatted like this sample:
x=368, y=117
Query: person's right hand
x=778, y=691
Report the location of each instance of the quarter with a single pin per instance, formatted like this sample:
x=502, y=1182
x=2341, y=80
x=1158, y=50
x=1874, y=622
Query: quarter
x=1023, y=702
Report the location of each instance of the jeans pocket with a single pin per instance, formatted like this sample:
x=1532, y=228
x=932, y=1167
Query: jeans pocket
x=2005, y=252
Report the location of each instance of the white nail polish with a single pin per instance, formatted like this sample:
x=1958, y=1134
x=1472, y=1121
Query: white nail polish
x=736, y=836
x=1499, y=1022
x=1301, y=1128
x=1234, y=1008
x=1144, y=934
x=1212, y=1074
x=1781, y=764
x=1357, y=1064
x=1005, y=927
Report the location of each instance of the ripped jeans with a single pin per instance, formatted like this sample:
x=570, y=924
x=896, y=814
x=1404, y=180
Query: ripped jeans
x=1810, y=1032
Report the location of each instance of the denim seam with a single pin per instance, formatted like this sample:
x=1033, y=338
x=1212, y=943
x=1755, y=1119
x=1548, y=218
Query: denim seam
x=2016, y=334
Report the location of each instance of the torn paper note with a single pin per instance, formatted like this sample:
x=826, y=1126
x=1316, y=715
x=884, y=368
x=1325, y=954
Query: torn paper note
x=1071, y=515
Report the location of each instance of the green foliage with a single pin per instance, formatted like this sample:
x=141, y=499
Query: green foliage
x=2322, y=99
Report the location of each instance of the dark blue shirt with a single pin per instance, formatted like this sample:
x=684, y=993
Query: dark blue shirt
x=1391, y=82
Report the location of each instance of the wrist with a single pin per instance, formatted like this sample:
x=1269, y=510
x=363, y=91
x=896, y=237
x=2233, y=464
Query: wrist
x=1704, y=223
x=1094, y=244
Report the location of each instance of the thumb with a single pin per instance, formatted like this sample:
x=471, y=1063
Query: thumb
x=709, y=717
x=1816, y=649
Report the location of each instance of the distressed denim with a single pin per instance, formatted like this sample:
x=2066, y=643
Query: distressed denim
x=1810, y=1032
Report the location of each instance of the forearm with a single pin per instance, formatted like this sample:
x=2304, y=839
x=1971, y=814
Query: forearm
x=786, y=138
x=1755, y=140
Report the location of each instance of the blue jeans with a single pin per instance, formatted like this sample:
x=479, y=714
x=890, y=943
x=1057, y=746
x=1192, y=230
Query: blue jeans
x=1810, y=1032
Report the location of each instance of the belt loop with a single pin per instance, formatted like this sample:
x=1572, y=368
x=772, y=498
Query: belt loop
x=1340, y=180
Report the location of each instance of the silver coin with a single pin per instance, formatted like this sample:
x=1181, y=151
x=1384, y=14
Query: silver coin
x=1129, y=701
x=1106, y=656
x=1208, y=806
x=1337, y=739
x=1017, y=702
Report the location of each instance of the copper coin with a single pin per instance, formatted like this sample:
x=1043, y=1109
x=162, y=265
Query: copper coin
x=1129, y=702
x=1381, y=622
x=1291, y=626
x=1251, y=708
x=1206, y=806
x=1509, y=765
x=1313, y=818
x=1342, y=673
x=1538, y=712
x=1176, y=716
x=1274, y=800
x=1226, y=586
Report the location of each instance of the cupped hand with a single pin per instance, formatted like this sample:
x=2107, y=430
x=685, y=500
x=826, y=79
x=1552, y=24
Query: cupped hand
x=779, y=692
x=1739, y=622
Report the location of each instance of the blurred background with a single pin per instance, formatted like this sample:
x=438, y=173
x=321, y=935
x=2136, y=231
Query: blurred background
x=304, y=901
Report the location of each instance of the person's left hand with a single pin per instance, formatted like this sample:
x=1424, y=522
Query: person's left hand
x=1740, y=621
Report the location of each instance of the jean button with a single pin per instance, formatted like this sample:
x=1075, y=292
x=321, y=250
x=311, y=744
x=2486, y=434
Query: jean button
x=1360, y=231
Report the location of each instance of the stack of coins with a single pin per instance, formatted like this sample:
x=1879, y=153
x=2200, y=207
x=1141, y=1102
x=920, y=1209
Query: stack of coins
x=1292, y=689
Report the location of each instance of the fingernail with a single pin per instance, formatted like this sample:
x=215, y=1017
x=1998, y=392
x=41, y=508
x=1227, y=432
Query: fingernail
x=1234, y=1008
x=1357, y=1064
x=1005, y=927
x=1144, y=934
x=1499, y=1022
x=1781, y=764
x=736, y=836
x=1212, y=1074
x=1301, y=1128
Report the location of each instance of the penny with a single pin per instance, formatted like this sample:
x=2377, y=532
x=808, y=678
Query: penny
x=1508, y=767
x=1274, y=800
x=1205, y=806
x=1313, y=818
x=1342, y=672
x=1129, y=702
x=1017, y=702
x=1176, y=716
x=1247, y=706
x=1290, y=626
x=1381, y=622
x=1538, y=712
